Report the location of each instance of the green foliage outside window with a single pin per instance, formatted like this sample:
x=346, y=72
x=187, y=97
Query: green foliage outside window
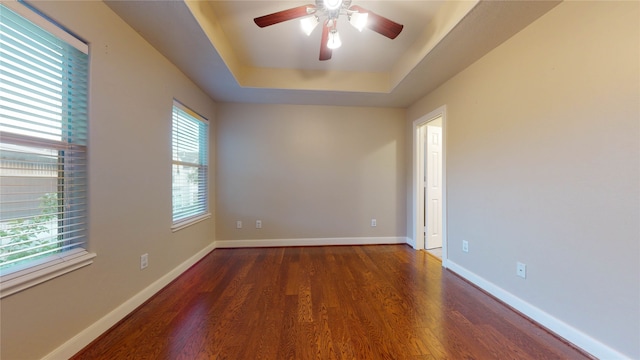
x=24, y=234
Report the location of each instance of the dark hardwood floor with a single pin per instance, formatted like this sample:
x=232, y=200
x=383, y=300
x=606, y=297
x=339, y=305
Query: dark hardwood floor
x=340, y=302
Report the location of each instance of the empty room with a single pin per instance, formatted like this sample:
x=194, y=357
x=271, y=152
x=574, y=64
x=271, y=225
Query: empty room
x=338, y=179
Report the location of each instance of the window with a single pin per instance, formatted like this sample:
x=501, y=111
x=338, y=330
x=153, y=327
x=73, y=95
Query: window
x=43, y=148
x=190, y=171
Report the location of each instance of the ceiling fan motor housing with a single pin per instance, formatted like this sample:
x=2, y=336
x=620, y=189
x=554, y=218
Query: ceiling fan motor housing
x=333, y=8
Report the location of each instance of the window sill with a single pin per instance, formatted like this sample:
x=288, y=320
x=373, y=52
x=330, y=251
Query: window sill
x=14, y=282
x=191, y=221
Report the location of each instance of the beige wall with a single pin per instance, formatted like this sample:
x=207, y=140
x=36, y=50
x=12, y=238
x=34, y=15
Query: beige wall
x=543, y=167
x=131, y=92
x=309, y=171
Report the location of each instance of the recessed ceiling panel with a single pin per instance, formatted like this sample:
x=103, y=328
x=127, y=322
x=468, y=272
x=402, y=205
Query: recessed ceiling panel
x=217, y=44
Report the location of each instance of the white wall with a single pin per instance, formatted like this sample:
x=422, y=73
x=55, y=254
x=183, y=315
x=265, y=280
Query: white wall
x=131, y=92
x=543, y=167
x=310, y=172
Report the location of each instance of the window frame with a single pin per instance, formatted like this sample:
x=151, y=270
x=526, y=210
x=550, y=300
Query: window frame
x=202, y=165
x=23, y=276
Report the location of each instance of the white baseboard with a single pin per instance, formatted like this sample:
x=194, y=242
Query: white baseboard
x=310, y=242
x=562, y=329
x=412, y=243
x=84, y=338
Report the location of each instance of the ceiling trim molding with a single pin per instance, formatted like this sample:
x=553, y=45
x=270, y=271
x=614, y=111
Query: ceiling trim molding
x=190, y=35
x=447, y=17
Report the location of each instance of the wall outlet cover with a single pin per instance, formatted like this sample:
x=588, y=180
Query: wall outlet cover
x=521, y=270
x=144, y=261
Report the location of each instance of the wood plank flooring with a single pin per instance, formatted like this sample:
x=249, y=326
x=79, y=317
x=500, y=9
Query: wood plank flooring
x=340, y=302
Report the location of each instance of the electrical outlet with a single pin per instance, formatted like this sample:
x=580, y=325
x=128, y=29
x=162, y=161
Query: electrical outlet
x=521, y=270
x=238, y=224
x=374, y=222
x=144, y=261
x=465, y=246
x=258, y=224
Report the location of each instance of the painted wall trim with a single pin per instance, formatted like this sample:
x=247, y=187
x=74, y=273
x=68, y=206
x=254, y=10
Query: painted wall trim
x=412, y=243
x=51, y=267
x=417, y=211
x=86, y=336
x=557, y=326
x=311, y=242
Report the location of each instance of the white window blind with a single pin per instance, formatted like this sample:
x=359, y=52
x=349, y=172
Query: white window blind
x=43, y=145
x=190, y=148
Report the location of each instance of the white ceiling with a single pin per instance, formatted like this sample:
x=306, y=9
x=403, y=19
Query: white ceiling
x=288, y=47
x=217, y=44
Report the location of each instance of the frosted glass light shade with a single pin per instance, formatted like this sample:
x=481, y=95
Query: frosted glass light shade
x=334, y=40
x=309, y=23
x=359, y=20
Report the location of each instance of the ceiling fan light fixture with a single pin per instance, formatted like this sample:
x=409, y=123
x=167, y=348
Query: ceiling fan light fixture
x=332, y=4
x=330, y=11
x=334, y=41
x=358, y=20
x=309, y=23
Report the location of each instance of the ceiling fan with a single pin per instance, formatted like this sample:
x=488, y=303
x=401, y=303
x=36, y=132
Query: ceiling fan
x=330, y=11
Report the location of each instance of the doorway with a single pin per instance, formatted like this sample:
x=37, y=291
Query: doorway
x=433, y=185
x=429, y=195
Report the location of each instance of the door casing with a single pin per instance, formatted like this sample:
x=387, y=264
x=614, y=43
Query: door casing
x=419, y=130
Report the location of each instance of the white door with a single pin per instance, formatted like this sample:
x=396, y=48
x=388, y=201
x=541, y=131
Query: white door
x=433, y=159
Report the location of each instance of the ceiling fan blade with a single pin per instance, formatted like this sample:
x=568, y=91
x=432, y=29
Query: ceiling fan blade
x=325, y=52
x=284, y=15
x=380, y=24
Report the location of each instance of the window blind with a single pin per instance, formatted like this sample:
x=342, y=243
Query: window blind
x=43, y=143
x=190, y=164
